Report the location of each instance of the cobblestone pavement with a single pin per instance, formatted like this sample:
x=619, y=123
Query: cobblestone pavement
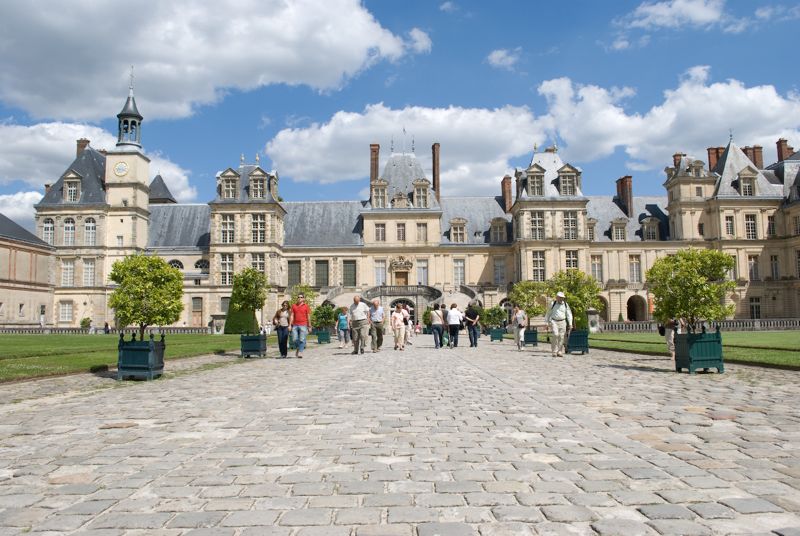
x=424, y=442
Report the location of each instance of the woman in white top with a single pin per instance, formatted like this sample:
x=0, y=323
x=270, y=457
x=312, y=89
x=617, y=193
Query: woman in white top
x=520, y=321
x=454, y=318
x=437, y=326
x=398, y=328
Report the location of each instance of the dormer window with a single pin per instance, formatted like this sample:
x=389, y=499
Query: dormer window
x=747, y=186
x=71, y=191
x=567, y=184
x=257, y=187
x=379, y=197
x=498, y=232
x=421, y=196
x=229, y=188
x=458, y=230
x=618, y=231
x=536, y=185
x=591, y=223
x=650, y=229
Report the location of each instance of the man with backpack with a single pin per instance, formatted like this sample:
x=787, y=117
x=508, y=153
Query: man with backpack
x=559, y=317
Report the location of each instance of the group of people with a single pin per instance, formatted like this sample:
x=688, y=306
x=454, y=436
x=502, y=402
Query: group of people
x=361, y=322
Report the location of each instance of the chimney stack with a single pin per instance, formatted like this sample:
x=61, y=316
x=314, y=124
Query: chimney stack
x=712, y=158
x=435, y=171
x=748, y=152
x=676, y=160
x=505, y=190
x=47, y=188
x=784, y=150
x=82, y=144
x=374, y=156
x=758, y=156
x=625, y=194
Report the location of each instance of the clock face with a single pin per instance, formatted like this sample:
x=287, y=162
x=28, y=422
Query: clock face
x=120, y=169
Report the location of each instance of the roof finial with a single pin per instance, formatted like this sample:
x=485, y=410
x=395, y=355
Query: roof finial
x=391, y=145
x=535, y=146
x=730, y=134
x=555, y=147
x=258, y=159
x=404, y=139
x=241, y=159
x=130, y=87
x=412, y=143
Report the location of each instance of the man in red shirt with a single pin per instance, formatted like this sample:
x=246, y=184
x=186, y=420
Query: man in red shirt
x=298, y=319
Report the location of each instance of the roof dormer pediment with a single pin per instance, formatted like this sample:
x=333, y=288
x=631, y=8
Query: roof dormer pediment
x=535, y=169
x=71, y=174
x=230, y=173
x=567, y=169
x=258, y=172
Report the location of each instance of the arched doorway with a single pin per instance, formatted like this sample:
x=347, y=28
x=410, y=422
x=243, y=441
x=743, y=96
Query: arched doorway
x=603, y=309
x=637, y=309
x=403, y=301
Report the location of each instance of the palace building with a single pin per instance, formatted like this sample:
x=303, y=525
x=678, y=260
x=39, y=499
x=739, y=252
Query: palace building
x=408, y=241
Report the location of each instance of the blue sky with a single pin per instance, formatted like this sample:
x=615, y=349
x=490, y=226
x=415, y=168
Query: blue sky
x=308, y=85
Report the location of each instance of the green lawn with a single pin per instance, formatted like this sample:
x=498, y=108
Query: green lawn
x=780, y=348
x=29, y=356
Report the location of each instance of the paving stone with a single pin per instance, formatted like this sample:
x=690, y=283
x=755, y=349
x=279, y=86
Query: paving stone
x=385, y=530
x=666, y=511
x=255, y=518
x=679, y=527
x=621, y=527
x=412, y=514
x=527, y=514
x=751, y=506
x=505, y=529
x=712, y=510
x=358, y=516
x=445, y=529
x=570, y=514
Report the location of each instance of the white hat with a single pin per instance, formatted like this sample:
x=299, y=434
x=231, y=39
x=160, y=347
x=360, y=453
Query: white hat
x=560, y=294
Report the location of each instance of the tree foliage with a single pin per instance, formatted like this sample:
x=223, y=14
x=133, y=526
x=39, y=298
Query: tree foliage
x=691, y=285
x=249, y=290
x=306, y=291
x=530, y=297
x=149, y=292
x=581, y=291
x=241, y=321
x=493, y=316
x=323, y=316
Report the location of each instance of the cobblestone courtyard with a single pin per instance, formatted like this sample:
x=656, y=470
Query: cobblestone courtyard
x=486, y=441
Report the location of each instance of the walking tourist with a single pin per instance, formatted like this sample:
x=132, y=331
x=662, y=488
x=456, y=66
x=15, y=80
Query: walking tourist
x=377, y=318
x=471, y=315
x=454, y=319
x=343, y=327
x=437, y=326
x=519, y=321
x=281, y=323
x=298, y=319
x=670, y=328
x=359, y=320
x=559, y=317
x=408, y=323
x=398, y=328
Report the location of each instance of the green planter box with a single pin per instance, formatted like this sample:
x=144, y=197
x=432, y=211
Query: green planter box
x=496, y=334
x=324, y=337
x=426, y=331
x=699, y=351
x=531, y=337
x=254, y=345
x=140, y=359
x=578, y=341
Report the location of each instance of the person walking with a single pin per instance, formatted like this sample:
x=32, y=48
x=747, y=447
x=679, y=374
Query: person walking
x=437, y=326
x=408, y=323
x=472, y=316
x=559, y=317
x=359, y=320
x=376, y=322
x=454, y=319
x=520, y=322
x=343, y=327
x=670, y=328
x=281, y=323
x=398, y=328
x=299, y=316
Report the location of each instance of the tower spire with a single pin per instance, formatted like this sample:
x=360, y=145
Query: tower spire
x=129, y=122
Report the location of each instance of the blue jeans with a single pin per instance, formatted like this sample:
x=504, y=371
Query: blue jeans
x=473, y=334
x=344, y=335
x=453, y=335
x=437, y=330
x=283, y=340
x=299, y=336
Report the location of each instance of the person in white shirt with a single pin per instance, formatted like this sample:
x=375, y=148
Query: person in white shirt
x=520, y=322
x=398, y=328
x=454, y=318
x=559, y=317
x=359, y=321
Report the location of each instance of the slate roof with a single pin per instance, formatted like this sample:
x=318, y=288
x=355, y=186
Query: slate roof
x=13, y=231
x=130, y=108
x=179, y=226
x=551, y=162
x=730, y=164
x=244, y=172
x=159, y=193
x=90, y=165
x=605, y=210
x=400, y=172
x=479, y=213
x=326, y=223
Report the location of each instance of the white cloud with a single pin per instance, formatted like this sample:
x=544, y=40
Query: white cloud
x=504, y=58
x=477, y=144
x=676, y=13
x=420, y=41
x=185, y=53
x=40, y=153
x=19, y=207
x=448, y=7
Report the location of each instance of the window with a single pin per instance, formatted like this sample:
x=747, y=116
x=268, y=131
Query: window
x=226, y=269
x=591, y=232
x=201, y=265
x=775, y=267
x=120, y=241
x=228, y=229
x=458, y=272
x=698, y=191
x=536, y=185
x=67, y=273
x=747, y=187
x=729, y=225
x=422, y=232
x=750, y=227
x=65, y=311
x=570, y=225
x=538, y=266
x=401, y=232
x=72, y=191
x=752, y=267
x=349, y=273
x=258, y=262
x=500, y=271
x=422, y=271
x=571, y=260
x=48, y=230
x=175, y=263
x=197, y=305
x=701, y=228
x=619, y=233
x=458, y=233
x=651, y=231
x=537, y=225
x=770, y=226
x=380, y=272
x=88, y=272
x=321, y=273
x=597, y=267
x=755, y=307
x=293, y=271
x=567, y=183
x=21, y=310
x=257, y=188
x=797, y=262
x=498, y=232
x=795, y=221
x=379, y=197
x=733, y=274
x=229, y=188
x=421, y=197
x=89, y=232
x=259, y=229
x=635, y=268
x=69, y=232
x=224, y=304
x=380, y=232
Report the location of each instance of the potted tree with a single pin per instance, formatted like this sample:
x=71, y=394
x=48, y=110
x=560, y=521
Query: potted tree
x=582, y=293
x=528, y=295
x=427, y=320
x=248, y=295
x=691, y=285
x=323, y=319
x=149, y=292
x=493, y=317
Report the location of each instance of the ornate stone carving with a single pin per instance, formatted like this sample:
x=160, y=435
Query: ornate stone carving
x=400, y=264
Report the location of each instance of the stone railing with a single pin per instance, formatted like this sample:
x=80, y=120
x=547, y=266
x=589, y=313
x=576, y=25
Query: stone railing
x=99, y=331
x=425, y=291
x=742, y=324
x=333, y=292
x=469, y=291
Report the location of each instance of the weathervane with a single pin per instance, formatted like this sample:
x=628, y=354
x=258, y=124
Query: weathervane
x=258, y=159
x=391, y=146
x=730, y=135
x=241, y=159
x=131, y=86
x=412, y=143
